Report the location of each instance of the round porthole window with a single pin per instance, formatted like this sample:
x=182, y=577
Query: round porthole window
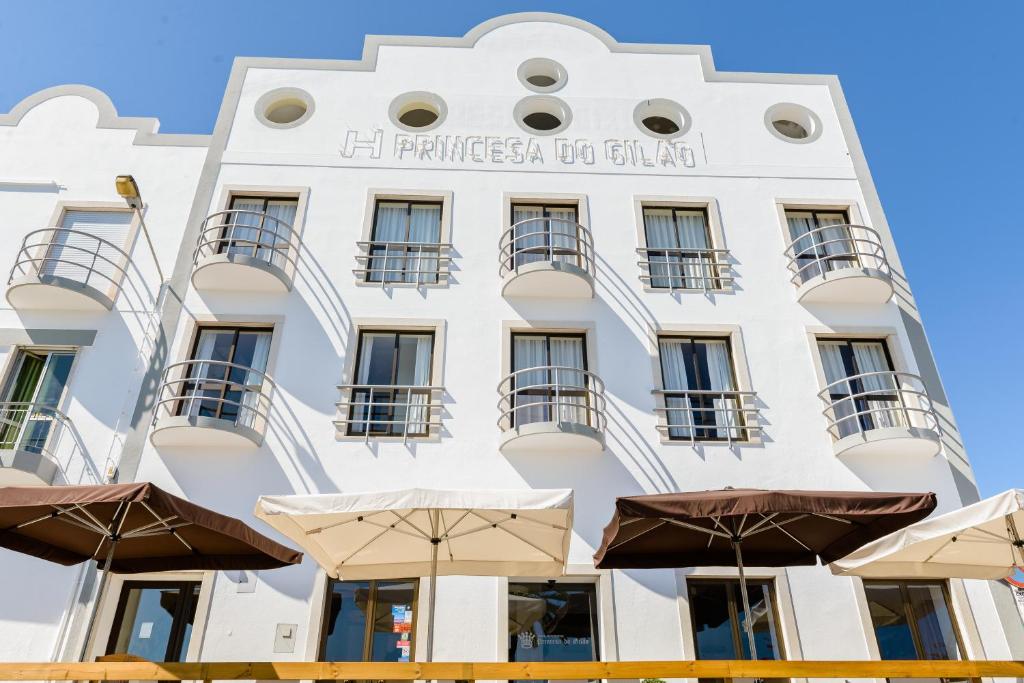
x=542, y=115
x=661, y=118
x=284, y=107
x=792, y=123
x=418, y=111
x=542, y=75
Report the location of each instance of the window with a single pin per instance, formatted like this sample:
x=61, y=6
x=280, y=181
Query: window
x=154, y=620
x=89, y=247
x=225, y=374
x=679, y=253
x=369, y=621
x=259, y=227
x=29, y=417
x=912, y=620
x=552, y=622
x=549, y=379
x=544, y=232
x=821, y=242
x=716, y=612
x=701, y=402
x=405, y=245
x=863, y=391
x=392, y=394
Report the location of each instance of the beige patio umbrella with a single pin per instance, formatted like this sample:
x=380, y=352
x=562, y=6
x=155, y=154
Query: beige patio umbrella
x=428, y=532
x=979, y=541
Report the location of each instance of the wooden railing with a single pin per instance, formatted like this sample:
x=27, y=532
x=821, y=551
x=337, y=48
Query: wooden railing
x=471, y=671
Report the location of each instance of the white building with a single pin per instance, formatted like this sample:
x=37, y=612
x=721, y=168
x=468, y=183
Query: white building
x=698, y=260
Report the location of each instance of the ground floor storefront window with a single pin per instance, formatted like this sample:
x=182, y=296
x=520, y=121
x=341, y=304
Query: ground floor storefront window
x=552, y=622
x=154, y=620
x=369, y=621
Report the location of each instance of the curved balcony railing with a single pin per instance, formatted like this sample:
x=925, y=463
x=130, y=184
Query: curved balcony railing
x=821, y=251
x=388, y=263
x=702, y=416
x=685, y=269
x=254, y=234
x=69, y=257
x=551, y=393
x=234, y=394
x=396, y=410
x=877, y=400
x=32, y=429
x=546, y=240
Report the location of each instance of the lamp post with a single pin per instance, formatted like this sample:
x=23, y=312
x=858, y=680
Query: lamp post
x=129, y=190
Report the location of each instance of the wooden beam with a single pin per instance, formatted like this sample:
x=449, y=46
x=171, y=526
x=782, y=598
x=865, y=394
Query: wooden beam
x=292, y=671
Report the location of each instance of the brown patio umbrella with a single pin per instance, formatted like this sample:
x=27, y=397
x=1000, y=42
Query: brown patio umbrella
x=761, y=528
x=130, y=528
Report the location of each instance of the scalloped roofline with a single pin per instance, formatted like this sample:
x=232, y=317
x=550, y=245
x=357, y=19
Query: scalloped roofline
x=145, y=127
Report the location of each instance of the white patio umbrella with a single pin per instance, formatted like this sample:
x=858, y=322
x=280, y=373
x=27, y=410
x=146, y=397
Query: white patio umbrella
x=420, y=532
x=979, y=541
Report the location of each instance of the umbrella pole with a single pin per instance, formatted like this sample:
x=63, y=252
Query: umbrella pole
x=94, y=610
x=434, y=543
x=748, y=624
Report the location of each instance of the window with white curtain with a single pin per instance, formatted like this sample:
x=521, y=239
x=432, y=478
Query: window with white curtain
x=678, y=249
x=549, y=380
x=90, y=248
x=822, y=242
x=228, y=385
x=392, y=394
x=544, y=232
x=863, y=391
x=405, y=245
x=699, y=389
x=260, y=227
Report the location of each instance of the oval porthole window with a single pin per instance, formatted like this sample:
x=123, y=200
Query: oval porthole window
x=542, y=115
x=542, y=75
x=284, y=107
x=418, y=111
x=792, y=123
x=661, y=118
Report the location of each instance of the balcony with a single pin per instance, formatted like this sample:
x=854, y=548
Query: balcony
x=66, y=269
x=727, y=417
x=682, y=269
x=245, y=251
x=212, y=404
x=39, y=447
x=881, y=414
x=551, y=408
x=547, y=257
x=398, y=411
x=840, y=264
x=415, y=264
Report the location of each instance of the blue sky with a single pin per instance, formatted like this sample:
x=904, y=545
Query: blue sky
x=936, y=89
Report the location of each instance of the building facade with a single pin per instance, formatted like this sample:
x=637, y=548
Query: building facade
x=531, y=257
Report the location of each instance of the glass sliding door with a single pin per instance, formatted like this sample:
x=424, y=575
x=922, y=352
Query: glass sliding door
x=863, y=392
x=822, y=242
x=552, y=622
x=370, y=621
x=549, y=380
x=549, y=233
x=260, y=228
x=225, y=375
x=699, y=389
x=392, y=393
x=405, y=243
x=154, y=620
x=32, y=394
x=678, y=244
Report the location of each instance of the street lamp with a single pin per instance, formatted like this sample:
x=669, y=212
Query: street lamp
x=129, y=190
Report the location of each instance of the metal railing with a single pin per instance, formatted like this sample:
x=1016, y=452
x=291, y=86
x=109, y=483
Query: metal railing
x=685, y=269
x=216, y=389
x=536, y=240
x=707, y=416
x=551, y=393
x=420, y=263
x=72, y=254
x=819, y=252
x=44, y=430
x=375, y=410
x=877, y=400
x=254, y=234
